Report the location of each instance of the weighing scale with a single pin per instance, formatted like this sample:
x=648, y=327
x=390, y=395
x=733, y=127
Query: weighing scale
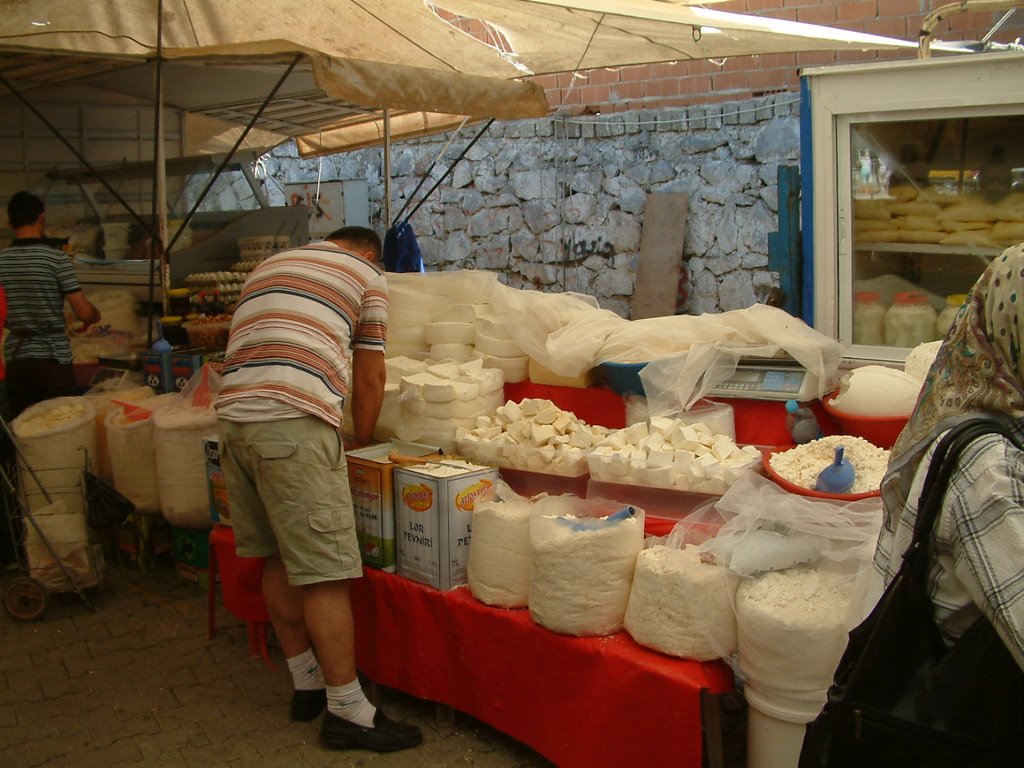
x=767, y=379
x=121, y=370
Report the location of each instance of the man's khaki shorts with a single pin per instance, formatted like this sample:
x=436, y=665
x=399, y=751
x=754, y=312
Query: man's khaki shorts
x=287, y=484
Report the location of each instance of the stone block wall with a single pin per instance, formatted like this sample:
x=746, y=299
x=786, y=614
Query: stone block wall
x=557, y=204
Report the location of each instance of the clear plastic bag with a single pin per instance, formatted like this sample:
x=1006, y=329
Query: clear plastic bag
x=714, y=344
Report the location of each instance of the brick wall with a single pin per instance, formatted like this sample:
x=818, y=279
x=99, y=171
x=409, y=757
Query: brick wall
x=695, y=82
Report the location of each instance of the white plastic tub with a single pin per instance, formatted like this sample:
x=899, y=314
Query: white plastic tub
x=775, y=729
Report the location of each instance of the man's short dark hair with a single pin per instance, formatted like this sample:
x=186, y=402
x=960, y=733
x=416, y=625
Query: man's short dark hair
x=23, y=209
x=361, y=237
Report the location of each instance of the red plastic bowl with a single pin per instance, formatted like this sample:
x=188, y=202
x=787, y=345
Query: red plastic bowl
x=800, y=490
x=880, y=430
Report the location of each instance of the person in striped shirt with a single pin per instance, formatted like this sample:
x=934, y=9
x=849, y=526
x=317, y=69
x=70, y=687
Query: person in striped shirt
x=307, y=334
x=38, y=279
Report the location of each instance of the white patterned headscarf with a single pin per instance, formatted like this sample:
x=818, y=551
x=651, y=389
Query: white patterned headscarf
x=978, y=368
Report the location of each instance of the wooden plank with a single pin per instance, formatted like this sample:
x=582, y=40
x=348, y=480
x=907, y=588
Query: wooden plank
x=661, y=255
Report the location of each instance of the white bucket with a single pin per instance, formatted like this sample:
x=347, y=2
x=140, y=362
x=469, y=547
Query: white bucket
x=775, y=729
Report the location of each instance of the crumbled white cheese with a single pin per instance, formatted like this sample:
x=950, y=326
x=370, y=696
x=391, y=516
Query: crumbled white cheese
x=671, y=454
x=535, y=435
x=802, y=465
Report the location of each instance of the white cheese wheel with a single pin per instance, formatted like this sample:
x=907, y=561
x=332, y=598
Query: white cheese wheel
x=492, y=326
x=515, y=369
x=457, y=313
x=499, y=347
x=450, y=333
x=457, y=352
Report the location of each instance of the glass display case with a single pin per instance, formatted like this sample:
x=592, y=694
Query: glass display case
x=918, y=182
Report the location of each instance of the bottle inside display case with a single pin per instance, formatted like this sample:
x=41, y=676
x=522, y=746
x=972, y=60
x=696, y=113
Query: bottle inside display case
x=933, y=202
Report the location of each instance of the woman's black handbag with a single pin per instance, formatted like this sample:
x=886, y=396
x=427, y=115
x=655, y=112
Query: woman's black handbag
x=901, y=698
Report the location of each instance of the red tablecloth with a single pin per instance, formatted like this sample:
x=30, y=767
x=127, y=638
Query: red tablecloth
x=578, y=701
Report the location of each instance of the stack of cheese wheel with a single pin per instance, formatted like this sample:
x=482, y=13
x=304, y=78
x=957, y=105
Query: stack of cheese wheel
x=440, y=399
x=410, y=308
x=451, y=335
x=499, y=350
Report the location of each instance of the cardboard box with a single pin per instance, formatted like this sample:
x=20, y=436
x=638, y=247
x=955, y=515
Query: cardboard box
x=434, y=519
x=144, y=542
x=156, y=371
x=216, y=490
x=192, y=547
x=371, y=482
x=184, y=364
x=193, y=575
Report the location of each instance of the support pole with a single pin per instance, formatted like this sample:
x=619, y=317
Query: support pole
x=387, y=168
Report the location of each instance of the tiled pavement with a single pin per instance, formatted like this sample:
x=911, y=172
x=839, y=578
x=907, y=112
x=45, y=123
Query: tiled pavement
x=139, y=683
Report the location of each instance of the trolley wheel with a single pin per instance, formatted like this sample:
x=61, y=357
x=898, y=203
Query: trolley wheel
x=25, y=599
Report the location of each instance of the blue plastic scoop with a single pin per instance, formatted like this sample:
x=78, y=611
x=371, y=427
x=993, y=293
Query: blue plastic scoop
x=161, y=345
x=838, y=476
x=581, y=525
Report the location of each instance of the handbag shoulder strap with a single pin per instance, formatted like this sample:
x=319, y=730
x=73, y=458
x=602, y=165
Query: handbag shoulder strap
x=944, y=462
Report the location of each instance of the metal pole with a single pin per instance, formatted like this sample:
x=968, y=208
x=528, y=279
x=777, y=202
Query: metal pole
x=238, y=143
x=74, y=150
x=157, y=255
x=387, y=168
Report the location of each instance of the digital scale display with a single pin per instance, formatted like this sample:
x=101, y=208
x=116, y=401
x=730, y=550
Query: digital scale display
x=764, y=380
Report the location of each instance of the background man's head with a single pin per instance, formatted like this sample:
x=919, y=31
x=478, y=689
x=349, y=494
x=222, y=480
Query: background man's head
x=364, y=241
x=24, y=209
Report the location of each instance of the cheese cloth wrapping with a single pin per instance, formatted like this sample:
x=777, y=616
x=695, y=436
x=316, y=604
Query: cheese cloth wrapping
x=681, y=605
x=498, y=568
x=581, y=571
x=561, y=331
x=688, y=355
x=806, y=580
x=54, y=438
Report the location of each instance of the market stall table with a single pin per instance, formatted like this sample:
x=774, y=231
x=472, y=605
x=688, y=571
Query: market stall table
x=596, y=701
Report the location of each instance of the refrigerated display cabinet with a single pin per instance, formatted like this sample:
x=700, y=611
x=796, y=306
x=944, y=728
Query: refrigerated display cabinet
x=916, y=182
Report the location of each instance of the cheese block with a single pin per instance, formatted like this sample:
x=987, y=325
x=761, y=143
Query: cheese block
x=398, y=366
x=1008, y=232
x=921, y=236
x=871, y=209
x=981, y=238
x=454, y=409
x=919, y=222
x=890, y=235
x=540, y=374
x=917, y=208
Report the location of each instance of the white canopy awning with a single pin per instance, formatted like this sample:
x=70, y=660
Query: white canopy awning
x=429, y=62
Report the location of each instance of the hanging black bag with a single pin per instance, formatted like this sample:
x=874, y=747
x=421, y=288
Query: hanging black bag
x=901, y=698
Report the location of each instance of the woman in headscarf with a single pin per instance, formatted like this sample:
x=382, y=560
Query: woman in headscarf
x=978, y=561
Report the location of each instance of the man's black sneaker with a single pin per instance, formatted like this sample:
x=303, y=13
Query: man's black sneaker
x=307, y=705
x=385, y=736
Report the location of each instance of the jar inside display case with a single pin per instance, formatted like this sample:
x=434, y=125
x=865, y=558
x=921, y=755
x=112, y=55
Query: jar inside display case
x=920, y=171
x=910, y=320
x=948, y=313
x=869, y=318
